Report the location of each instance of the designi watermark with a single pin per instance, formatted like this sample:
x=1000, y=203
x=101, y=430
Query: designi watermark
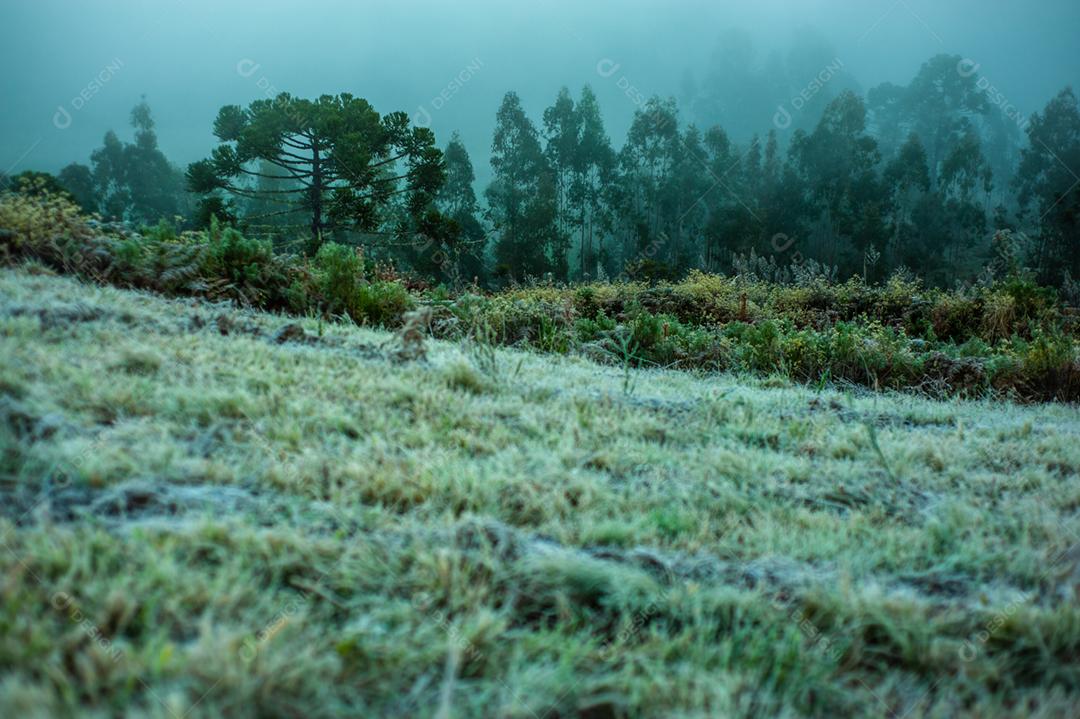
x=969, y=68
x=64, y=117
x=62, y=601
x=423, y=115
x=783, y=117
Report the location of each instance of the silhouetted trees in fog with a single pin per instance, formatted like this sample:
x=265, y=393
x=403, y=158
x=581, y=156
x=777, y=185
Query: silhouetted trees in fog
x=920, y=177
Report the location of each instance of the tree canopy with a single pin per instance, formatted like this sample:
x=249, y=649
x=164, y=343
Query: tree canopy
x=334, y=160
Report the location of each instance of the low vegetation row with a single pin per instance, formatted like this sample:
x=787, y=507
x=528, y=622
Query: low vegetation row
x=1010, y=338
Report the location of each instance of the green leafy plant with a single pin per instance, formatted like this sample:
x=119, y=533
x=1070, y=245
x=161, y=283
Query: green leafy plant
x=627, y=354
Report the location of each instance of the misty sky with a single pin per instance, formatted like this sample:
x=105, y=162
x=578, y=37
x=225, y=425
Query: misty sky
x=184, y=56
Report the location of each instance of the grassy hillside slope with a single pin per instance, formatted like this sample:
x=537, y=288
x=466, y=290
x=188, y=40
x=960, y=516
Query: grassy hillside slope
x=207, y=513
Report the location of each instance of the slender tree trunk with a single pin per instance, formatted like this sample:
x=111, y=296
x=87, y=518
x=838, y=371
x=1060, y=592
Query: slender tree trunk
x=583, y=251
x=316, y=196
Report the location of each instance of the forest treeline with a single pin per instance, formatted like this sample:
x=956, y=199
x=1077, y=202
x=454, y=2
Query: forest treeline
x=917, y=178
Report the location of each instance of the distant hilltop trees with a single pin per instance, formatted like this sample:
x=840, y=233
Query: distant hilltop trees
x=918, y=177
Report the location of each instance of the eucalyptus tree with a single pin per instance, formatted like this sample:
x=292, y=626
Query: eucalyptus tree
x=579, y=152
x=647, y=169
x=457, y=202
x=522, y=198
x=837, y=163
x=131, y=181
x=1049, y=186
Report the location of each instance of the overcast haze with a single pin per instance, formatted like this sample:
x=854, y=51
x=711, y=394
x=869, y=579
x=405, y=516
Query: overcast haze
x=184, y=57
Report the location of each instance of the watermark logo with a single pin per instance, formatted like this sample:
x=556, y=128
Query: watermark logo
x=63, y=602
x=250, y=647
x=607, y=67
x=781, y=243
x=422, y=117
x=783, y=117
x=247, y=67
x=968, y=68
x=971, y=647
x=63, y=118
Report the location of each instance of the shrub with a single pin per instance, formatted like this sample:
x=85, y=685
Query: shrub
x=1032, y=303
x=956, y=317
x=591, y=330
x=47, y=227
x=759, y=346
x=1011, y=336
x=339, y=274
x=1050, y=367
x=382, y=303
x=161, y=260
x=241, y=260
x=999, y=316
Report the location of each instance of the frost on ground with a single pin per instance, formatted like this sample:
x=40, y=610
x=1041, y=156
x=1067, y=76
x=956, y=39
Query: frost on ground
x=210, y=512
